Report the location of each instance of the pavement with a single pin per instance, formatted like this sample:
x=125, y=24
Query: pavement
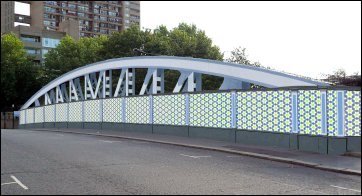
x=46, y=162
x=335, y=163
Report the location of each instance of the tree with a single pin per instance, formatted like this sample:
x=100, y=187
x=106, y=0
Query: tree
x=239, y=56
x=19, y=75
x=339, y=77
x=71, y=54
x=184, y=40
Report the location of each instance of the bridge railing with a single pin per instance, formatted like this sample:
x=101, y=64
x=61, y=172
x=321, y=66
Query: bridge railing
x=329, y=112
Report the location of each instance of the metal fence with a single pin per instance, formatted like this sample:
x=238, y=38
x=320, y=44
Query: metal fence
x=315, y=112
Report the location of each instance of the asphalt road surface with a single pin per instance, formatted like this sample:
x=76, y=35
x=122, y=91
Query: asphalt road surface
x=35, y=162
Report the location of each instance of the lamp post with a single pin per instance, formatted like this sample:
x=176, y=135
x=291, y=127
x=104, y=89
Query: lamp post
x=13, y=116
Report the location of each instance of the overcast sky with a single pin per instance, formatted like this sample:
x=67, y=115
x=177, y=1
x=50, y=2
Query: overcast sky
x=306, y=38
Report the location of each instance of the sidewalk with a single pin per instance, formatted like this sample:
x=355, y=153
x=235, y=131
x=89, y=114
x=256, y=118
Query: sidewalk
x=334, y=163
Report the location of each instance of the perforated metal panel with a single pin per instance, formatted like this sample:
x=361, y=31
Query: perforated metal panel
x=61, y=112
x=49, y=113
x=39, y=115
x=211, y=110
x=112, y=110
x=22, y=117
x=352, y=104
x=30, y=116
x=332, y=113
x=310, y=112
x=138, y=110
x=169, y=110
x=75, y=112
x=92, y=111
x=264, y=111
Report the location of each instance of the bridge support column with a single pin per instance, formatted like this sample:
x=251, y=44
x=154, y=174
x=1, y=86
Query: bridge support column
x=158, y=82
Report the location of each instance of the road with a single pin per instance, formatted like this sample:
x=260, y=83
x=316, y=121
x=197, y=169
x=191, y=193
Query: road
x=37, y=162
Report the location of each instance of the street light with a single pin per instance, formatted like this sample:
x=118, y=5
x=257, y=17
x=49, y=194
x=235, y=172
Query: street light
x=13, y=115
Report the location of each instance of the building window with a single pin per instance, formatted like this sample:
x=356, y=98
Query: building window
x=103, y=18
x=72, y=6
x=49, y=9
x=50, y=42
x=29, y=38
x=32, y=51
x=49, y=23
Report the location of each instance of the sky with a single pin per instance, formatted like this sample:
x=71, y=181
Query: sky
x=304, y=38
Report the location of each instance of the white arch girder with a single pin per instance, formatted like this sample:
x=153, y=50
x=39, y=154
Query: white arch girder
x=260, y=76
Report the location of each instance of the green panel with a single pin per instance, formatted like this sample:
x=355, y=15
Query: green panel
x=39, y=115
x=352, y=105
x=211, y=110
x=265, y=111
x=75, y=112
x=169, y=110
x=92, y=111
x=61, y=112
x=30, y=116
x=112, y=110
x=22, y=117
x=49, y=113
x=138, y=109
x=332, y=113
x=310, y=112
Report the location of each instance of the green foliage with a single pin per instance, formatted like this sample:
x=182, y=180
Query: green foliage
x=71, y=54
x=340, y=78
x=184, y=40
x=19, y=76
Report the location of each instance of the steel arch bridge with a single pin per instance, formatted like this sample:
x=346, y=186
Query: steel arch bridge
x=97, y=78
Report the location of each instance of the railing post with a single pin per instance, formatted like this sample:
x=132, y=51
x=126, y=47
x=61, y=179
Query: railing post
x=101, y=112
x=187, y=102
x=55, y=115
x=295, y=128
x=123, y=110
x=340, y=114
x=68, y=115
x=151, y=110
x=44, y=116
x=324, y=112
x=34, y=115
x=233, y=109
x=83, y=114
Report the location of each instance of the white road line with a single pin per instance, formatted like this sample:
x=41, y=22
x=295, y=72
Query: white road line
x=108, y=141
x=19, y=183
x=346, y=188
x=195, y=157
x=7, y=183
x=60, y=134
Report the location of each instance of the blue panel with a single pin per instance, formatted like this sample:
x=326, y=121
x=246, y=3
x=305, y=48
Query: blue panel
x=340, y=114
x=324, y=123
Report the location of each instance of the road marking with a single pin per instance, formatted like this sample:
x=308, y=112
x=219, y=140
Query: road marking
x=345, y=188
x=7, y=183
x=60, y=134
x=233, y=156
x=107, y=141
x=195, y=157
x=19, y=183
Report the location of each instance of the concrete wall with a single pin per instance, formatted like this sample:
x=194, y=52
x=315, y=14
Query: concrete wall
x=307, y=143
